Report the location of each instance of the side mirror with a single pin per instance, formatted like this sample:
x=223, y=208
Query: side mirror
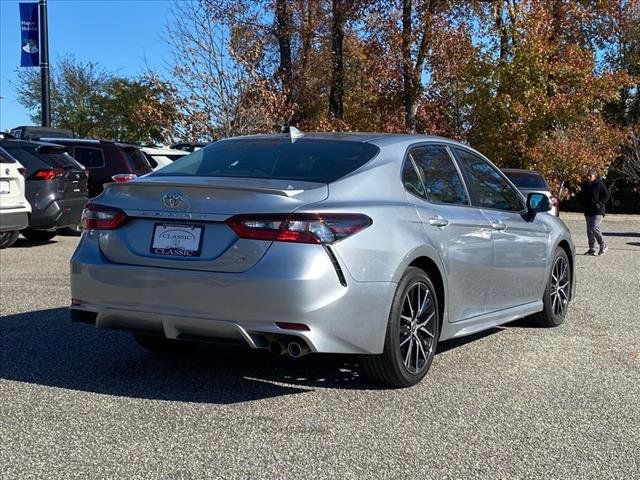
x=537, y=203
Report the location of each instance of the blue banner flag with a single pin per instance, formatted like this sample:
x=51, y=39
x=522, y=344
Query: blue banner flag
x=30, y=42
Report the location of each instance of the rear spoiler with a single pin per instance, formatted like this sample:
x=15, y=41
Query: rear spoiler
x=52, y=149
x=245, y=188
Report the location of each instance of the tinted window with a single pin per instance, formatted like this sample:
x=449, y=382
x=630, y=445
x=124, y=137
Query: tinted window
x=89, y=157
x=490, y=188
x=442, y=183
x=310, y=160
x=527, y=180
x=411, y=179
x=137, y=161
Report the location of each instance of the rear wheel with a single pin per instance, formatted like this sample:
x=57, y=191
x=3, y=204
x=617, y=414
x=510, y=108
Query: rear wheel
x=8, y=238
x=557, y=293
x=412, y=334
x=162, y=345
x=38, y=235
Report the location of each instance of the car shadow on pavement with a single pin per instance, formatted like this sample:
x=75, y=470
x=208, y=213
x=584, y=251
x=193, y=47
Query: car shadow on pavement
x=621, y=234
x=24, y=243
x=43, y=347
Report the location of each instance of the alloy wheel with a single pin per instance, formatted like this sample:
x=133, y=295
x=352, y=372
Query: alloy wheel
x=417, y=327
x=559, y=290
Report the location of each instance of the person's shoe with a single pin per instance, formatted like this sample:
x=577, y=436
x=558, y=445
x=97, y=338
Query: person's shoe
x=602, y=250
x=591, y=252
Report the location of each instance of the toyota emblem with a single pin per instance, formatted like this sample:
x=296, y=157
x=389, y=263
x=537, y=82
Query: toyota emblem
x=173, y=199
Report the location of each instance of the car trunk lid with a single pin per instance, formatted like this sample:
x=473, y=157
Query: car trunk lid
x=197, y=206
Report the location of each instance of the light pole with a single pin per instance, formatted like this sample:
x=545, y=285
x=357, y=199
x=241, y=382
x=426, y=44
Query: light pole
x=44, y=64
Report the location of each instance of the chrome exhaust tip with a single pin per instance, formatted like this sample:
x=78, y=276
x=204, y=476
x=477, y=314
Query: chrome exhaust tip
x=296, y=350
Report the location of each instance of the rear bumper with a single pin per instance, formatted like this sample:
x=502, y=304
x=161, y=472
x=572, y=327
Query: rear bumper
x=11, y=220
x=292, y=283
x=59, y=213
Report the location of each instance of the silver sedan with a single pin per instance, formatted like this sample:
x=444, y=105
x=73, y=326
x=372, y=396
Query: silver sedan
x=378, y=245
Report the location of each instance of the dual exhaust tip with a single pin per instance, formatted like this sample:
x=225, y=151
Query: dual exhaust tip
x=292, y=348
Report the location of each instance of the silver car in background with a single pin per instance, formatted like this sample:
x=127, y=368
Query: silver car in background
x=378, y=245
x=529, y=181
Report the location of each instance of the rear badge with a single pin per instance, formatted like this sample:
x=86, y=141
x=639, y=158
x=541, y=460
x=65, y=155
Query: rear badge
x=173, y=199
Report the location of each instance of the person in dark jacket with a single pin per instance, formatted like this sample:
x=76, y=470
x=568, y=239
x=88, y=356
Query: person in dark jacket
x=594, y=198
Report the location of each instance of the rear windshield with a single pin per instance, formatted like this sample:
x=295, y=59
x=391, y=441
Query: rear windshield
x=309, y=160
x=137, y=161
x=527, y=180
x=32, y=159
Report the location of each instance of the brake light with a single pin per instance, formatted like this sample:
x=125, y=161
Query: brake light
x=321, y=228
x=102, y=217
x=124, y=177
x=48, y=174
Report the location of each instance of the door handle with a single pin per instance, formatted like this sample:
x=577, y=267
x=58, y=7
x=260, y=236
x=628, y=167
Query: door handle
x=438, y=222
x=498, y=225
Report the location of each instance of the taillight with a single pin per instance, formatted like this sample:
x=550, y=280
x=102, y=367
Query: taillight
x=124, y=177
x=101, y=217
x=48, y=174
x=321, y=228
x=22, y=171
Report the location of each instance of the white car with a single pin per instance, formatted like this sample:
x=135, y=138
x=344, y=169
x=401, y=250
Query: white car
x=14, y=207
x=161, y=157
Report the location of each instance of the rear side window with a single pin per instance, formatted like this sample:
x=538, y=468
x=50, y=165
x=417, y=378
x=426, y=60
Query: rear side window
x=89, y=157
x=411, y=179
x=490, y=188
x=527, y=180
x=312, y=160
x=442, y=182
x=5, y=157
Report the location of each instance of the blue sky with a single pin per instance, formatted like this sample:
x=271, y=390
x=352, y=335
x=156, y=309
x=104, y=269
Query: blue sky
x=122, y=36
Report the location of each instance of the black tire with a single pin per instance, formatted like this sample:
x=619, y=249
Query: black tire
x=557, y=293
x=72, y=231
x=164, y=346
x=391, y=366
x=8, y=238
x=38, y=235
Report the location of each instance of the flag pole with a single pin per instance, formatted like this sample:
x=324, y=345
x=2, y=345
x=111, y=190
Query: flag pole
x=44, y=64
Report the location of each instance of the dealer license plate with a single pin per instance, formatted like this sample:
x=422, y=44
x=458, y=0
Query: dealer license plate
x=177, y=240
x=5, y=186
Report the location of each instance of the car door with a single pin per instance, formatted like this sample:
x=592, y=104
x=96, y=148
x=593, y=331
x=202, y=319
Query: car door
x=459, y=231
x=519, y=240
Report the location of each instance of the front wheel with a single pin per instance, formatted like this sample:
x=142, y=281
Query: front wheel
x=8, y=238
x=412, y=334
x=38, y=235
x=557, y=292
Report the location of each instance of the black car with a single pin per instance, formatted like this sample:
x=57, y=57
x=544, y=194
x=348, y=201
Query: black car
x=106, y=161
x=56, y=186
x=29, y=132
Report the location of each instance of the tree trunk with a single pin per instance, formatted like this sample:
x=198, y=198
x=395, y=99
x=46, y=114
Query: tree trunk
x=410, y=106
x=336, y=94
x=283, y=35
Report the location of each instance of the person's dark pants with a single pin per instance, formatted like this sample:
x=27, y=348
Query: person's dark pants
x=593, y=231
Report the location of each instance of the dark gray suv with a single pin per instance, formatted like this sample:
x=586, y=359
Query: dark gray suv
x=55, y=186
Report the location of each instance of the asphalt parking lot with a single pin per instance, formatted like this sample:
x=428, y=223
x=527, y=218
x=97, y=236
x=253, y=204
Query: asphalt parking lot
x=514, y=402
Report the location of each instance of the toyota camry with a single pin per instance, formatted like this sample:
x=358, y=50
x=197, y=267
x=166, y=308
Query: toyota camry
x=378, y=245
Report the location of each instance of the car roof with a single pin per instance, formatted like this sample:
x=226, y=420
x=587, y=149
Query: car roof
x=163, y=151
x=380, y=139
x=25, y=143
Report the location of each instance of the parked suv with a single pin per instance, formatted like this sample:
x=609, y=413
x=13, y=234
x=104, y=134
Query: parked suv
x=106, y=161
x=56, y=186
x=14, y=208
